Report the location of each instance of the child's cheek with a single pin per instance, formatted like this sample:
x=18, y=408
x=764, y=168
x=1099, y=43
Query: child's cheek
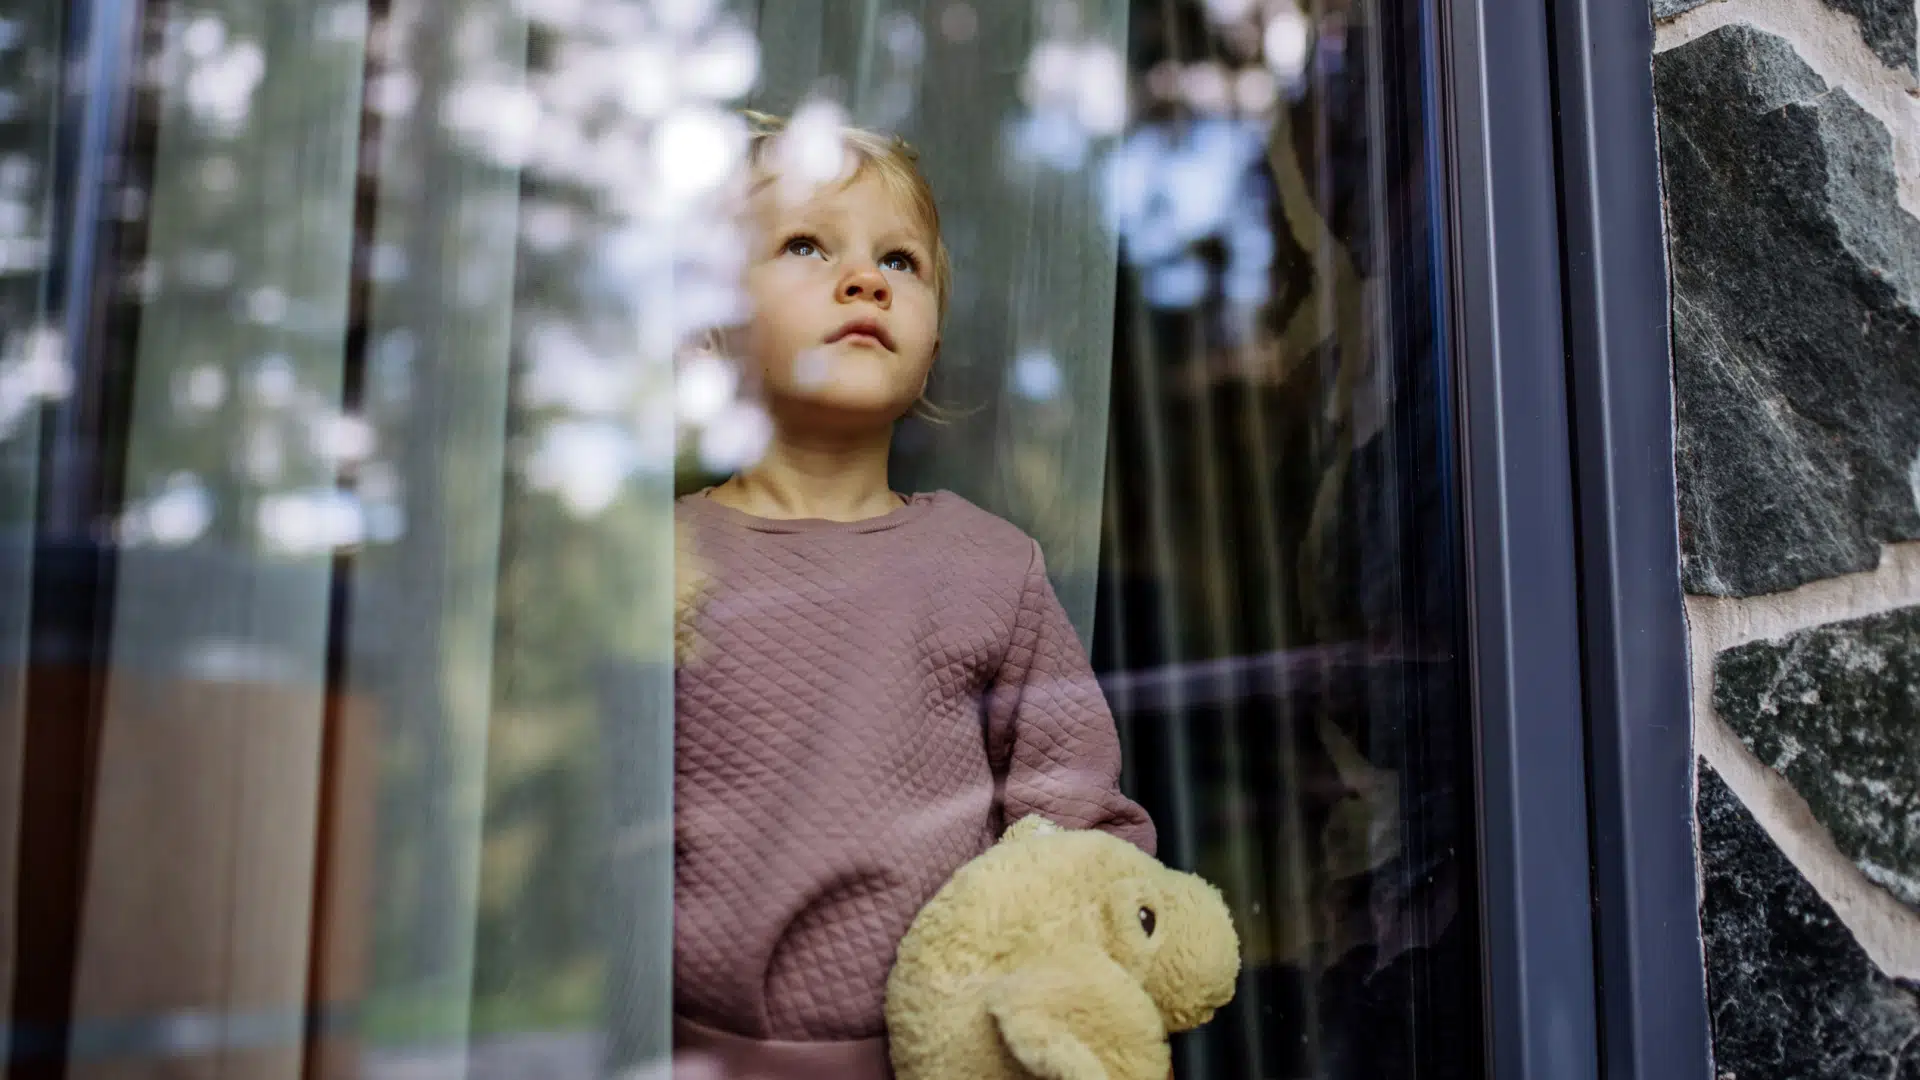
x=778, y=320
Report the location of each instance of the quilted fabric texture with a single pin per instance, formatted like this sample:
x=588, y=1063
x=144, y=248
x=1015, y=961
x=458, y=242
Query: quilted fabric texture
x=861, y=707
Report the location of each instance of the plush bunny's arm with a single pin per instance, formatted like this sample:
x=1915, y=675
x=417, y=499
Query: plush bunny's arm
x=1080, y=1016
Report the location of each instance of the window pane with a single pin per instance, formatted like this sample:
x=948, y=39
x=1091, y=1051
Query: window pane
x=1279, y=608
x=354, y=355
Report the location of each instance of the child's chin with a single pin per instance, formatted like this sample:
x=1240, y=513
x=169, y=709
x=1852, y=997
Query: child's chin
x=842, y=404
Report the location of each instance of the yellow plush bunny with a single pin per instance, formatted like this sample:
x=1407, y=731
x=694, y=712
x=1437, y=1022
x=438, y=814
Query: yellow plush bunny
x=1059, y=954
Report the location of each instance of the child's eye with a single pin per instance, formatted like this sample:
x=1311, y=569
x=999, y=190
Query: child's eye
x=804, y=246
x=903, y=261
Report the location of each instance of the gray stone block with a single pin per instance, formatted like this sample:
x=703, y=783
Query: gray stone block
x=1796, y=281
x=1887, y=26
x=1667, y=9
x=1792, y=994
x=1836, y=711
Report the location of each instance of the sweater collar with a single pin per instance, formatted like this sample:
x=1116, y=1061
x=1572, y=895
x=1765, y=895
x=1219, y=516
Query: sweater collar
x=700, y=506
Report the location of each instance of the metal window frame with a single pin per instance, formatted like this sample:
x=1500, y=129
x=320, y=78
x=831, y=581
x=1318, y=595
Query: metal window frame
x=1653, y=999
x=1524, y=617
x=1589, y=908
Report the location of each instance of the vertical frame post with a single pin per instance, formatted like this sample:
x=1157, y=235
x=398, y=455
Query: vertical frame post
x=1522, y=569
x=1653, y=1002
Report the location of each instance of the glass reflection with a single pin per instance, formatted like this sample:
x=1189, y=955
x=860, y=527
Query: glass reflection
x=349, y=361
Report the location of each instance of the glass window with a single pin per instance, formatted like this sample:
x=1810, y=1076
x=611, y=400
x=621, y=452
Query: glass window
x=355, y=356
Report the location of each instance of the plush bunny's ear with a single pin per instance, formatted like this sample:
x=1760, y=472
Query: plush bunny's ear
x=1031, y=825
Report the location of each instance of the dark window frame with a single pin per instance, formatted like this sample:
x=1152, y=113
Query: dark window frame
x=1589, y=897
x=1653, y=1004
x=1523, y=596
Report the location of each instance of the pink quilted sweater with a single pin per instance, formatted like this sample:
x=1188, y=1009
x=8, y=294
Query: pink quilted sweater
x=861, y=707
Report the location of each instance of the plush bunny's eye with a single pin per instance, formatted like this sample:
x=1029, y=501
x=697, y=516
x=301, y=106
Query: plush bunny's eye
x=1147, y=921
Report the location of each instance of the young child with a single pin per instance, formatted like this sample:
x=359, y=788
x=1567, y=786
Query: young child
x=872, y=685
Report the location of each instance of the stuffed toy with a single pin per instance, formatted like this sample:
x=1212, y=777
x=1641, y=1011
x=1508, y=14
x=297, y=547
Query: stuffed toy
x=1061, y=954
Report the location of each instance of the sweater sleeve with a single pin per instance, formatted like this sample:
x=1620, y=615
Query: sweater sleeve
x=1051, y=731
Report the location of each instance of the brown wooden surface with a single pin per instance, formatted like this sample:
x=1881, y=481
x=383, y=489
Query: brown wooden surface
x=205, y=849
x=343, y=916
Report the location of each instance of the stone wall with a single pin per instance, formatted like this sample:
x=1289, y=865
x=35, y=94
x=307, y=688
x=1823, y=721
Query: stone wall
x=1790, y=141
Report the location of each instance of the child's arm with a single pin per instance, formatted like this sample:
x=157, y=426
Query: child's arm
x=1049, y=727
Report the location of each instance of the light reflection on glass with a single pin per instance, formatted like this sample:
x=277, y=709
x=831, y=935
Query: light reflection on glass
x=541, y=210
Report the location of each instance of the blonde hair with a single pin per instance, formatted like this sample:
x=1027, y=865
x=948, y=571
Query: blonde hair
x=886, y=156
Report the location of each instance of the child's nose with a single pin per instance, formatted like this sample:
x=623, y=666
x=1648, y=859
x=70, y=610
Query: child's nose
x=866, y=283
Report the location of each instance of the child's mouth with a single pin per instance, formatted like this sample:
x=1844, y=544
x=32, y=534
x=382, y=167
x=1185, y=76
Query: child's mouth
x=863, y=332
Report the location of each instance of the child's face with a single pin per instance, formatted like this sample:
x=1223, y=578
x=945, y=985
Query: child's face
x=845, y=317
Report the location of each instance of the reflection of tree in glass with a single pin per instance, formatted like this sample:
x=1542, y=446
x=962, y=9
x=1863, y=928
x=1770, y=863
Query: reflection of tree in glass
x=1302, y=515
x=534, y=237
x=236, y=306
x=615, y=128
x=32, y=367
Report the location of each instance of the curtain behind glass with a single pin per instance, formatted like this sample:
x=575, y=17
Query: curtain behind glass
x=374, y=477
x=524, y=281
x=382, y=410
x=1012, y=108
x=433, y=326
x=207, y=774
